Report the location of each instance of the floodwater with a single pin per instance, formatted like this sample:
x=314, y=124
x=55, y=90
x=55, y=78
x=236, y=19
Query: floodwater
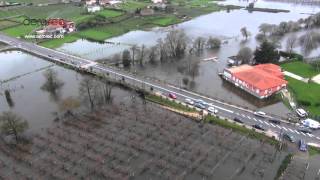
x=37, y=106
x=223, y=24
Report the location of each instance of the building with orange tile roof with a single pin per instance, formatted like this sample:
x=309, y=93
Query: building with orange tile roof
x=261, y=81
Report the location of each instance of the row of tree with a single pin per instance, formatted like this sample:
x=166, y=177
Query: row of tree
x=174, y=46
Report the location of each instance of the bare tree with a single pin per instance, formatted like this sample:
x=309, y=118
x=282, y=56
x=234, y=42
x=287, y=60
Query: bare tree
x=12, y=124
x=176, y=42
x=309, y=41
x=245, y=33
x=153, y=55
x=142, y=54
x=245, y=55
x=291, y=43
x=266, y=28
x=107, y=89
x=163, y=54
x=133, y=49
x=199, y=44
x=87, y=90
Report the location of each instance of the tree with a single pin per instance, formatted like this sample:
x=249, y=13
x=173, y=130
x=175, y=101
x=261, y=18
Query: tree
x=291, y=43
x=163, y=54
x=309, y=41
x=213, y=43
x=142, y=54
x=126, y=60
x=245, y=55
x=266, y=53
x=199, y=44
x=245, y=33
x=266, y=28
x=87, y=90
x=12, y=124
x=107, y=89
x=176, y=42
x=153, y=55
x=52, y=83
x=133, y=49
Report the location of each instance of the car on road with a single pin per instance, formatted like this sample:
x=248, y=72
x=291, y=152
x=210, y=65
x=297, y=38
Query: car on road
x=289, y=137
x=212, y=110
x=260, y=114
x=258, y=126
x=305, y=130
x=199, y=105
x=303, y=145
x=172, y=96
x=239, y=120
x=200, y=101
x=274, y=121
x=189, y=101
x=301, y=113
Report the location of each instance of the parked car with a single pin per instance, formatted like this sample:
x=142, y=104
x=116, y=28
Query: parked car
x=199, y=105
x=212, y=110
x=189, y=101
x=172, y=96
x=258, y=126
x=236, y=119
x=303, y=145
x=274, y=121
x=260, y=114
x=305, y=130
x=301, y=113
x=289, y=137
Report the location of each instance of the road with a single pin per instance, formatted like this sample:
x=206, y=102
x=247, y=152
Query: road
x=225, y=110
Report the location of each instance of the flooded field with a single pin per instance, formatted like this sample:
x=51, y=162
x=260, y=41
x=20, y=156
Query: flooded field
x=133, y=140
x=216, y=25
x=25, y=77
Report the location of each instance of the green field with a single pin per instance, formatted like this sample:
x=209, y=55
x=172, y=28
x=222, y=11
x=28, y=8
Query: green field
x=306, y=92
x=300, y=68
x=122, y=21
x=110, y=13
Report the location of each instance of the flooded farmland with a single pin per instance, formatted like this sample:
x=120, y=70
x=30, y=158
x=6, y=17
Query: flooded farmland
x=214, y=24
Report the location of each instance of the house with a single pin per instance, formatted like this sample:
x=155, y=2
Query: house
x=92, y=9
x=91, y=2
x=56, y=29
x=260, y=81
x=103, y=2
x=114, y=2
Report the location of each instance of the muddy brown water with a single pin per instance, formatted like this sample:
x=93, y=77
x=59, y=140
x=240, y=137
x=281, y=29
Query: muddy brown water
x=37, y=106
x=225, y=25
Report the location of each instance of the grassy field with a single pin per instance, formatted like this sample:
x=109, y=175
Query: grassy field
x=122, y=22
x=110, y=13
x=300, y=68
x=306, y=92
x=169, y=103
x=240, y=129
x=59, y=42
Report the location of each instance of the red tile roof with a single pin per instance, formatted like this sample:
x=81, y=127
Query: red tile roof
x=263, y=77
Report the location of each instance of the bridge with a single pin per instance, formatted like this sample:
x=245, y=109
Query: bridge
x=226, y=110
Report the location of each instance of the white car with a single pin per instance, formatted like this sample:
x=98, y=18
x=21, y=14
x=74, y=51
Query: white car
x=189, y=101
x=301, y=112
x=213, y=110
x=260, y=114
